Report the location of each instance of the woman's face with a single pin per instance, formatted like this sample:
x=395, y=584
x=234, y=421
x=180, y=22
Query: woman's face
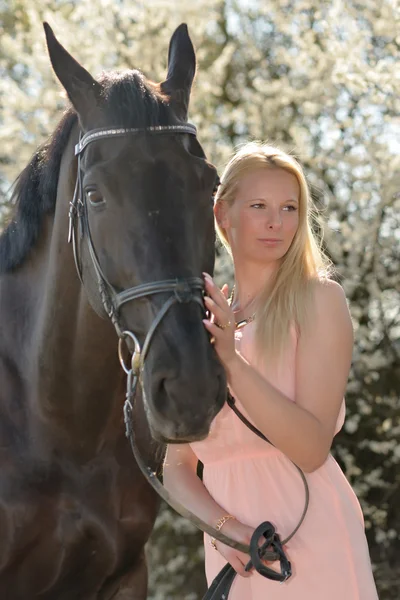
x=263, y=219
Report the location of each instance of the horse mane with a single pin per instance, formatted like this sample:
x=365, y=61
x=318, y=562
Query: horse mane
x=130, y=100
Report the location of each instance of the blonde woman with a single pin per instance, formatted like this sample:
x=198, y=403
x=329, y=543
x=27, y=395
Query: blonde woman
x=285, y=339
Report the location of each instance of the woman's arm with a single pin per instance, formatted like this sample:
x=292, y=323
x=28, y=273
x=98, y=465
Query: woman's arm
x=302, y=430
x=181, y=480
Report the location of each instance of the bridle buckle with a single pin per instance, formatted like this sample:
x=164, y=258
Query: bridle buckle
x=183, y=292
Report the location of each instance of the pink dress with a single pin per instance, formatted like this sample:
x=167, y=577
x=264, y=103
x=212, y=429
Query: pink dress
x=255, y=482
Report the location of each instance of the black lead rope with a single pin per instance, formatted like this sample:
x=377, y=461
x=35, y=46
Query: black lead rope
x=221, y=585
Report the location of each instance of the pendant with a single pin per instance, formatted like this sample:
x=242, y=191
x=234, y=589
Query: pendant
x=243, y=322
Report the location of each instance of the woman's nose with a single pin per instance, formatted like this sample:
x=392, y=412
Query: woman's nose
x=274, y=220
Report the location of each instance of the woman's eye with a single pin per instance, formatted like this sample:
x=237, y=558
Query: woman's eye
x=95, y=197
x=288, y=208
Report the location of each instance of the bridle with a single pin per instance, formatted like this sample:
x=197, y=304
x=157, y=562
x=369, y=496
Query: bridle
x=182, y=291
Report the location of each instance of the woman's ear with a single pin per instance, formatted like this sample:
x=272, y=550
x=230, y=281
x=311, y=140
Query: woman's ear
x=221, y=214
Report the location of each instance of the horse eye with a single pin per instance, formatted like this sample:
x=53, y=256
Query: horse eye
x=94, y=197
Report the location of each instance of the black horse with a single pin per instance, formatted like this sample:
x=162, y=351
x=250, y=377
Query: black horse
x=75, y=511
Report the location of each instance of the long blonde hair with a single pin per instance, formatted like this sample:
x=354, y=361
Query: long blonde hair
x=287, y=300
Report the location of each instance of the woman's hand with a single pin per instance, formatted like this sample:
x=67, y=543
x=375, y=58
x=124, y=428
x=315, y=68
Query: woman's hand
x=222, y=323
x=240, y=533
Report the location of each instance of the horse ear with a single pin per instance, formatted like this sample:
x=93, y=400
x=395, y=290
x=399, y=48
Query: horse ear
x=82, y=89
x=181, y=70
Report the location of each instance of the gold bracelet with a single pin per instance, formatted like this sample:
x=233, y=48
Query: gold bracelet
x=218, y=526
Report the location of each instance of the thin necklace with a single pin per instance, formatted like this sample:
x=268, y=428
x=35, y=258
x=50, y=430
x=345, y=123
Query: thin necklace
x=242, y=322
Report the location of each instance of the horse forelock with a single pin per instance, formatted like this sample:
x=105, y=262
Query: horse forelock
x=129, y=100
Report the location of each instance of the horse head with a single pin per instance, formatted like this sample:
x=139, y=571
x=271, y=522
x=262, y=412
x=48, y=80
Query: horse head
x=144, y=197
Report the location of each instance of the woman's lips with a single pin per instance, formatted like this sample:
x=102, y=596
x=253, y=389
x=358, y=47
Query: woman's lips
x=270, y=241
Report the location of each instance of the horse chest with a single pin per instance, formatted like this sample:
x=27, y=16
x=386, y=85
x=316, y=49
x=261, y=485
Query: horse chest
x=70, y=530
x=98, y=507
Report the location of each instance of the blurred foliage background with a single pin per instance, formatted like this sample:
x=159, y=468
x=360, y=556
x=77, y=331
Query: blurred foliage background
x=321, y=78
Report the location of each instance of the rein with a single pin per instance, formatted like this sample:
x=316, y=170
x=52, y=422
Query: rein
x=182, y=291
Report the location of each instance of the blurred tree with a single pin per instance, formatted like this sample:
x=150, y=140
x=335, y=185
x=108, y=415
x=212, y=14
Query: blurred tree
x=318, y=77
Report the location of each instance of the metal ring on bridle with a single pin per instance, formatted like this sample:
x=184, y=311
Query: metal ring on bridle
x=135, y=360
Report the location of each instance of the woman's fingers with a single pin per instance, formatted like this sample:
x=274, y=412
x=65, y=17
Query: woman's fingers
x=220, y=323
x=213, y=329
x=215, y=293
x=237, y=559
x=220, y=315
x=216, y=302
x=239, y=567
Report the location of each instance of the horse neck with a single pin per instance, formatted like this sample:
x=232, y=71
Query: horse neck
x=78, y=380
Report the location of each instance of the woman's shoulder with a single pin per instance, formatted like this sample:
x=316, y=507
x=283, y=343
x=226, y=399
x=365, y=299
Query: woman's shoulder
x=330, y=305
x=325, y=289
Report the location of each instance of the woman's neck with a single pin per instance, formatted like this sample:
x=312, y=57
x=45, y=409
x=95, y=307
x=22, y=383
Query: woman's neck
x=250, y=280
